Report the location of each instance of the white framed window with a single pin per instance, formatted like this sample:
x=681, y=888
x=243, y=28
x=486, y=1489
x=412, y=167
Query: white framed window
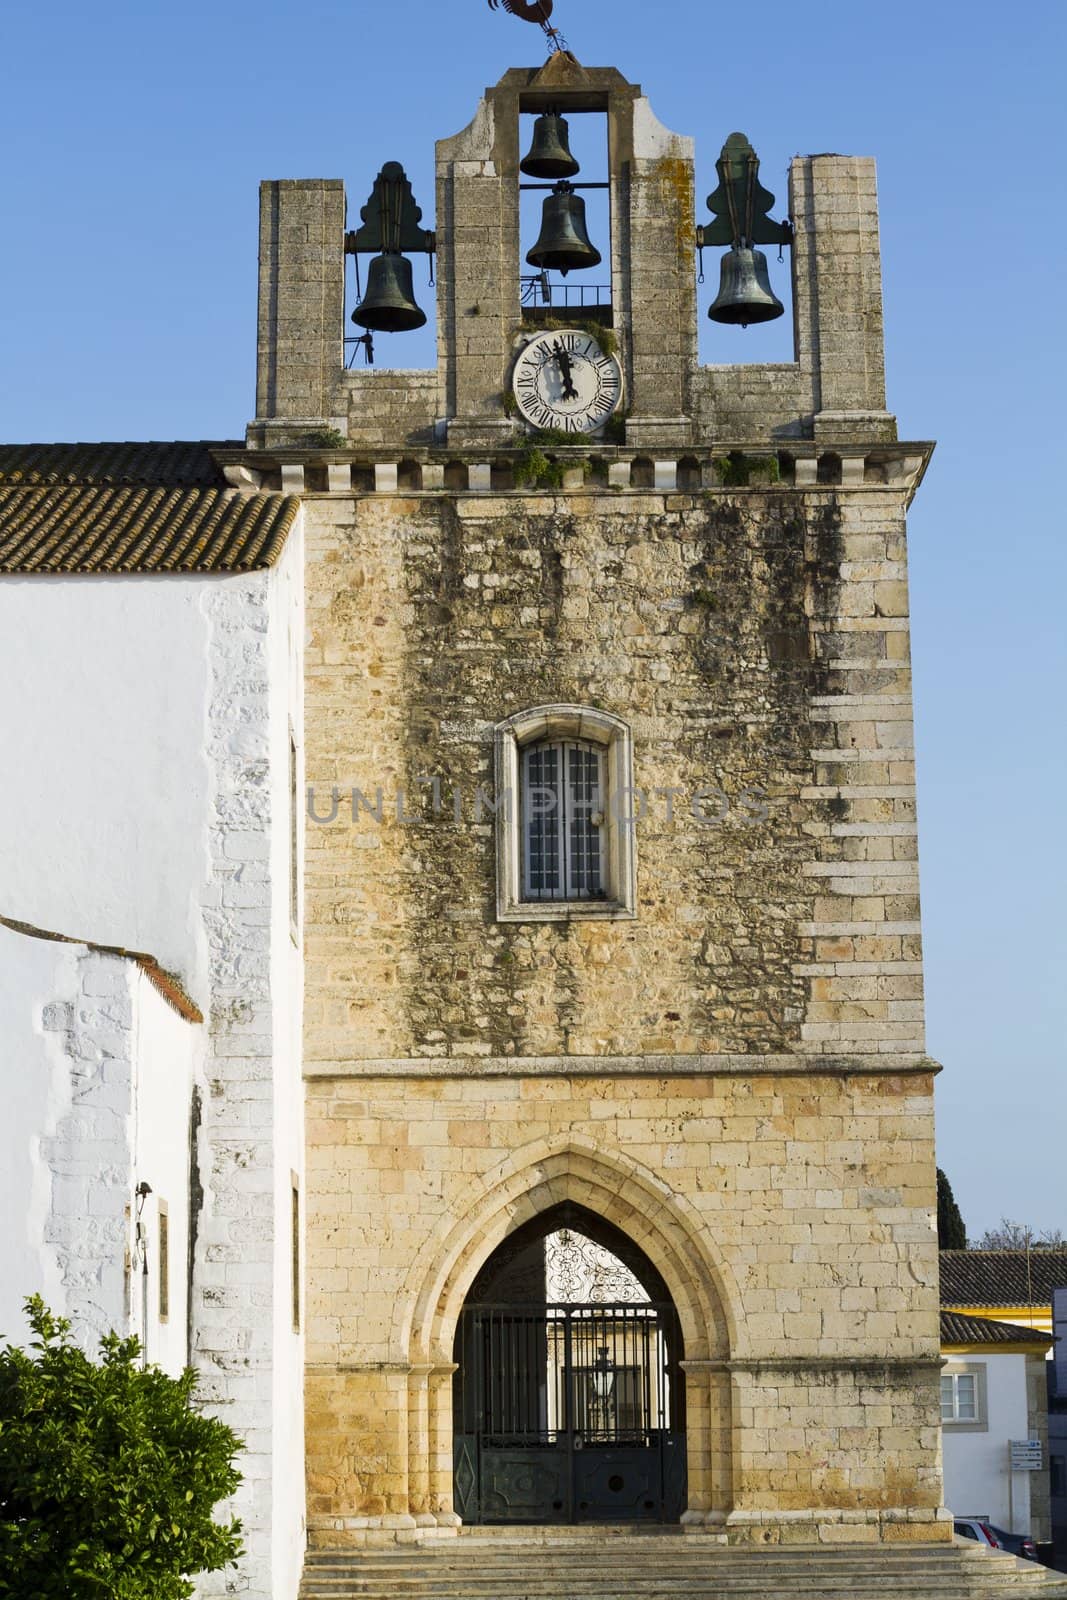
x=959, y=1397
x=963, y=1397
x=564, y=815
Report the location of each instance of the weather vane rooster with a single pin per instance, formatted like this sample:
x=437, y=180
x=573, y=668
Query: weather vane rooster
x=537, y=11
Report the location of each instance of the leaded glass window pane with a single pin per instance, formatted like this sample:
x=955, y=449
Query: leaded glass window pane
x=562, y=821
x=583, y=824
x=543, y=864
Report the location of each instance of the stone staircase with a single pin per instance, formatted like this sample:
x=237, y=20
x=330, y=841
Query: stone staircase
x=632, y=1564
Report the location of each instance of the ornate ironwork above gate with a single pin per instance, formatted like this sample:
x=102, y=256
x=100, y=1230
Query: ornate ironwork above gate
x=579, y=1269
x=569, y=1413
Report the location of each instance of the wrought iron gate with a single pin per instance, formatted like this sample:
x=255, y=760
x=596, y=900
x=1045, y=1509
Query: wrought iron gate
x=569, y=1413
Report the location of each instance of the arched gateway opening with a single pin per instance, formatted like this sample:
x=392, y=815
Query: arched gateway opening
x=569, y=1396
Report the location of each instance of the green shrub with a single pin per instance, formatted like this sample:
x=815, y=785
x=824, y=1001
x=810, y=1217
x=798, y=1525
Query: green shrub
x=108, y=1473
x=328, y=439
x=737, y=470
x=533, y=469
x=538, y=436
x=604, y=335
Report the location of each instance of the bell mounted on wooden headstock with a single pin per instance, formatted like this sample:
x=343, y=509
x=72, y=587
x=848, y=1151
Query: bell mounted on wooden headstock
x=740, y=204
x=390, y=225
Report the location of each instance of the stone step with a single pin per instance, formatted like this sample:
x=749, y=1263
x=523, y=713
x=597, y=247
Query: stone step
x=855, y=1588
x=880, y=1586
x=579, y=1572
x=844, y=1582
x=697, y=1556
x=665, y=1568
x=480, y=1544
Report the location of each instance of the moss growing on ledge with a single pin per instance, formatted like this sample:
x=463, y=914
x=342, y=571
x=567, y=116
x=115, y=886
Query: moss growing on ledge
x=604, y=336
x=738, y=470
x=534, y=470
x=327, y=439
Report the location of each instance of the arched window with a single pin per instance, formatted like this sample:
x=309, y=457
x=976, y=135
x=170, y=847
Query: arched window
x=565, y=834
x=562, y=820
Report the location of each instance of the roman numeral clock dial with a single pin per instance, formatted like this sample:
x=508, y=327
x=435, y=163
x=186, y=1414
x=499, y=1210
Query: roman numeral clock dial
x=564, y=380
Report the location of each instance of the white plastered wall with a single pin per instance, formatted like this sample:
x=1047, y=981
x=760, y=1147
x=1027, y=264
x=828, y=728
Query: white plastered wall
x=978, y=1481
x=147, y=723
x=98, y=1089
x=169, y=1051
x=287, y=986
x=252, y=1137
x=103, y=811
x=34, y=974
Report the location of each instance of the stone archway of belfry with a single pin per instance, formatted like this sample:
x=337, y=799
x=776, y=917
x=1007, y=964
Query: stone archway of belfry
x=633, y=1205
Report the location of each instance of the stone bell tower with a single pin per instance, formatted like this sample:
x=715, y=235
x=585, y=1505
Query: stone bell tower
x=612, y=916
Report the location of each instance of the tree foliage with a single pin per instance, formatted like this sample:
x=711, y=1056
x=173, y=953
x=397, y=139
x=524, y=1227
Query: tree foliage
x=1009, y=1235
x=951, y=1233
x=109, y=1475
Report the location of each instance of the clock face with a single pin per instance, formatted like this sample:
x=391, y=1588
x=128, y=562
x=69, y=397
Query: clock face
x=564, y=380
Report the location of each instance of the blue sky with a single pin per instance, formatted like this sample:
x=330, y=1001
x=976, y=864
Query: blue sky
x=135, y=137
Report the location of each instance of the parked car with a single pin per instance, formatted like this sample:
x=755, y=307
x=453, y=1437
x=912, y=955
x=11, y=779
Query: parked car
x=987, y=1533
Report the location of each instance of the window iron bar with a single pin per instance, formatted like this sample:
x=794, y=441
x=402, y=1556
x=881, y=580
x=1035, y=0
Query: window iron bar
x=563, y=821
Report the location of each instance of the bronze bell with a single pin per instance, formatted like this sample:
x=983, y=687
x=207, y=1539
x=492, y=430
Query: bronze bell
x=389, y=304
x=745, y=294
x=549, y=155
x=563, y=242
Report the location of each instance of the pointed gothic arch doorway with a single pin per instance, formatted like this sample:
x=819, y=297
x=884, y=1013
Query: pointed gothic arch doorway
x=569, y=1397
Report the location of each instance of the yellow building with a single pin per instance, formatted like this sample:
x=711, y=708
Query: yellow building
x=1005, y=1285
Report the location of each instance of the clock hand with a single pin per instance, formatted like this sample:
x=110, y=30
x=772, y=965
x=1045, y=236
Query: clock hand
x=565, y=371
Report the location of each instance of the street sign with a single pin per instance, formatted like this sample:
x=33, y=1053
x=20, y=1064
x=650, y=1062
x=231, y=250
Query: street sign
x=1026, y=1455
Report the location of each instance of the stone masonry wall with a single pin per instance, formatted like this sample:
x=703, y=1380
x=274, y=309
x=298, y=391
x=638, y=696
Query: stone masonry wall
x=735, y=1077
x=812, y=1385
x=757, y=644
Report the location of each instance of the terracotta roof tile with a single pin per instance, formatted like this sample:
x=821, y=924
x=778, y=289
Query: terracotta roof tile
x=140, y=528
x=168, y=985
x=174, y=464
x=1001, y=1277
x=956, y=1328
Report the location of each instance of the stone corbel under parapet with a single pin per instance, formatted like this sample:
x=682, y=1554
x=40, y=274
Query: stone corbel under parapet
x=597, y=469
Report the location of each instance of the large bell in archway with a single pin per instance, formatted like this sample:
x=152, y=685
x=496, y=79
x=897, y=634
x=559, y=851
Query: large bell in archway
x=549, y=155
x=563, y=242
x=389, y=303
x=745, y=294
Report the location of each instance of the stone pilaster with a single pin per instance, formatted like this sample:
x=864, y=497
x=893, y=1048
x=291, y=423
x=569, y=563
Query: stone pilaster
x=301, y=308
x=837, y=287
